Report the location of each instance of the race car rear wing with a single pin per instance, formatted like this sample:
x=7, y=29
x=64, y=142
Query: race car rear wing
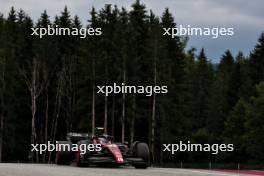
x=75, y=137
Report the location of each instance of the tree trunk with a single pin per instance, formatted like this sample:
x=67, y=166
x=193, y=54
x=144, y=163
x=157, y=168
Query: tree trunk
x=153, y=117
x=113, y=117
x=132, y=130
x=2, y=111
x=93, y=98
x=35, y=87
x=1, y=134
x=56, y=113
x=132, y=125
x=105, y=115
x=46, y=122
x=33, y=127
x=123, y=111
x=152, y=138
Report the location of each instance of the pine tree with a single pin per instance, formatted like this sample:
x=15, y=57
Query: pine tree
x=107, y=19
x=222, y=99
x=2, y=86
x=135, y=65
x=257, y=61
x=172, y=104
x=154, y=49
x=235, y=131
x=93, y=44
x=254, y=125
x=9, y=80
x=46, y=51
x=203, y=77
x=44, y=20
x=123, y=44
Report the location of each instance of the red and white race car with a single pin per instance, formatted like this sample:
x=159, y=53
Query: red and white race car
x=101, y=150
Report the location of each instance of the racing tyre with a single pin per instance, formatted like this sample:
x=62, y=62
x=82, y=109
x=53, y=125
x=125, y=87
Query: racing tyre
x=63, y=157
x=142, y=151
x=78, y=159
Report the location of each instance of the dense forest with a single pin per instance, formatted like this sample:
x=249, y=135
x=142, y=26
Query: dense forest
x=48, y=87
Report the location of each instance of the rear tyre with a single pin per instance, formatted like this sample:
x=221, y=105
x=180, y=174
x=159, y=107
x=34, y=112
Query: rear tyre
x=78, y=157
x=78, y=161
x=142, y=151
x=64, y=157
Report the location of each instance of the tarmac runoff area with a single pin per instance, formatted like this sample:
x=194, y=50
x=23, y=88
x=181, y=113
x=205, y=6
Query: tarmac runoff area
x=7, y=169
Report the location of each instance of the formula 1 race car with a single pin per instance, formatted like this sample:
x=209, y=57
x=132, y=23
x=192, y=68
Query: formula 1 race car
x=101, y=150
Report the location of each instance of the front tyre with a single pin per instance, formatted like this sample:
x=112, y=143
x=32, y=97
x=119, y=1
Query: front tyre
x=142, y=151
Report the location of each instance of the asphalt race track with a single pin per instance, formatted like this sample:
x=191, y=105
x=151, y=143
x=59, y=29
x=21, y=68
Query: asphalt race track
x=54, y=170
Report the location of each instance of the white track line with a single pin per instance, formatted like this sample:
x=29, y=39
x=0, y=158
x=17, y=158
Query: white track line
x=214, y=173
x=188, y=171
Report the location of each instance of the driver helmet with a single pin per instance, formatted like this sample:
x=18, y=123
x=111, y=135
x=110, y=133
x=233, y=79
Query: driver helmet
x=99, y=131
